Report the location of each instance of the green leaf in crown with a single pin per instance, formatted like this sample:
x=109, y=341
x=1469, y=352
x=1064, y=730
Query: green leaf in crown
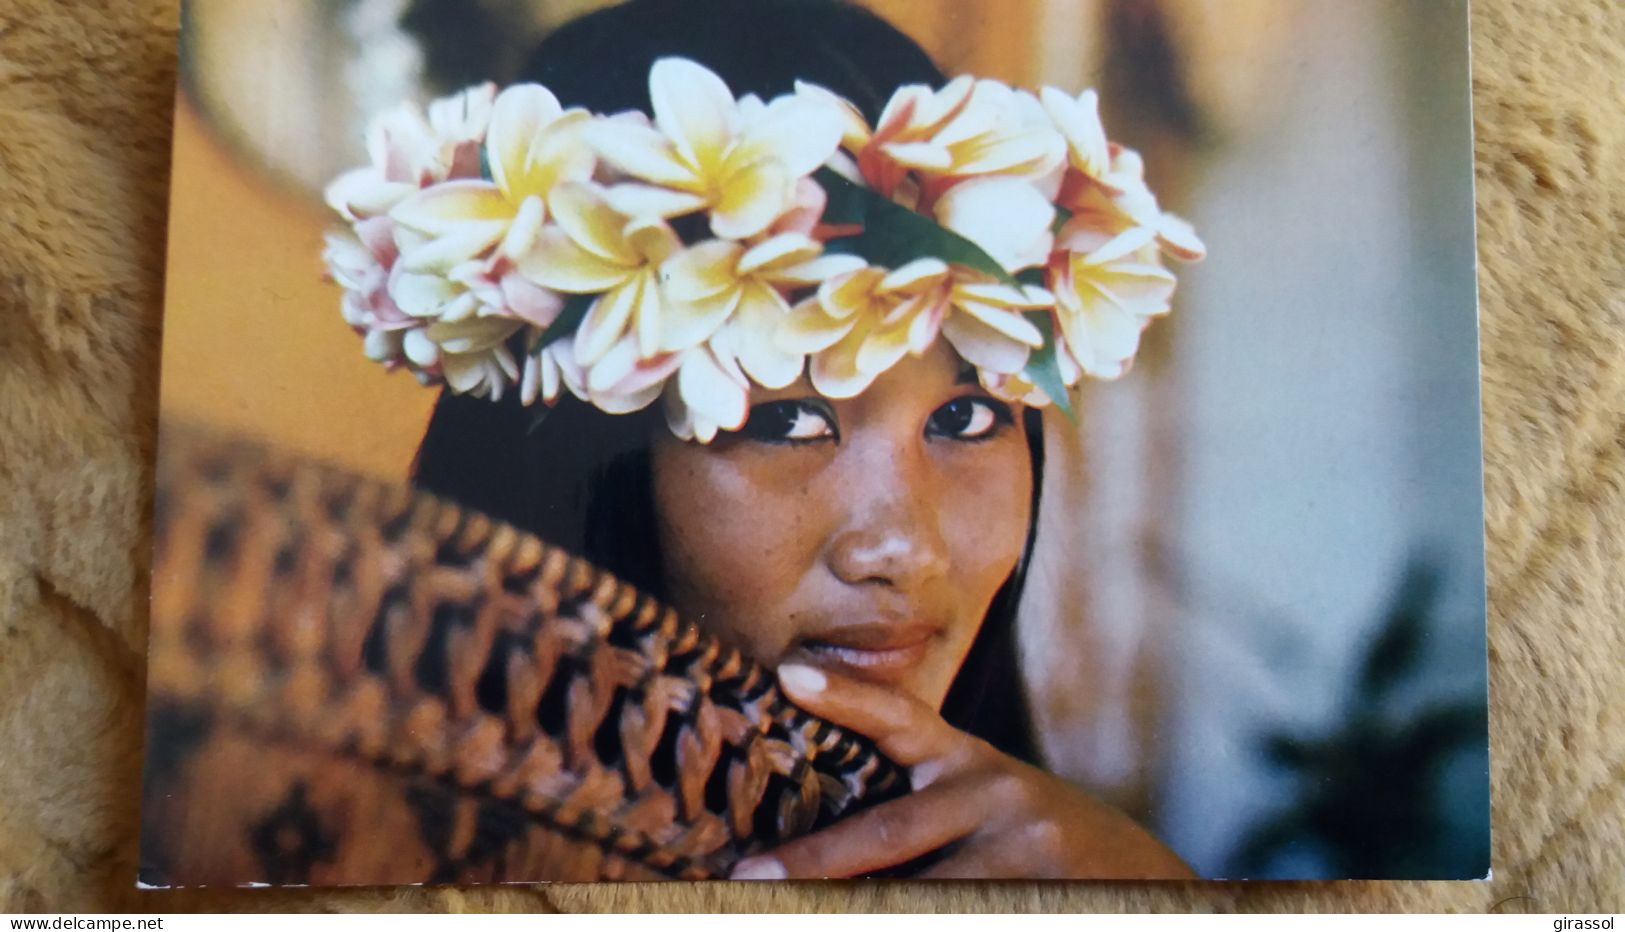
x=1044, y=367
x=893, y=235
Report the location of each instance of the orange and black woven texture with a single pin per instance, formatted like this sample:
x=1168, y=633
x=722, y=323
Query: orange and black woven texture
x=352, y=682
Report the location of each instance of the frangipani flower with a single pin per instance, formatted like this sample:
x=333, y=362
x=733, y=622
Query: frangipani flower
x=595, y=249
x=408, y=153
x=1006, y=216
x=450, y=328
x=359, y=261
x=620, y=383
x=1078, y=120
x=1107, y=208
x=966, y=129
x=806, y=210
x=734, y=296
x=362, y=262
x=438, y=328
x=1105, y=187
x=705, y=150
x=710, y=394
x=1105, y=297
x=499, y=289
x=1020, y=386
x=532, y=146
x=470, y=354
x=855, y=131
x=862, y=323
x=986, y=324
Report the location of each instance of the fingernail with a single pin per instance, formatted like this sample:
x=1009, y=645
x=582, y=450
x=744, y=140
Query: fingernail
x=926, y=773
x=802, y=680
x=758, y=869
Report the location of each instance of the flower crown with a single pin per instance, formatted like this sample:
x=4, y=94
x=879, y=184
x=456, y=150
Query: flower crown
x=735, y=242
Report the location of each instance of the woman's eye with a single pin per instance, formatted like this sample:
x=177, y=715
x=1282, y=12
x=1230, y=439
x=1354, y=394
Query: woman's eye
x=969, y=418
x=782, y=421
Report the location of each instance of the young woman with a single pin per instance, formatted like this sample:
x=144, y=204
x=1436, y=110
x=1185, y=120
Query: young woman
x=871, y=548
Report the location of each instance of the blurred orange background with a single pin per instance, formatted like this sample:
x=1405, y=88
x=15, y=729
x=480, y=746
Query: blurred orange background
x=252, y=333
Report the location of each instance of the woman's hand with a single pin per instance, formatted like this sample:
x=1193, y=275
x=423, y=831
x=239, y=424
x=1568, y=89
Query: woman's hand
x=1004, y=818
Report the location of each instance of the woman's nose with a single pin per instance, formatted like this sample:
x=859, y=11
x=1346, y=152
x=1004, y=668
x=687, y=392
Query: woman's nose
x=892, y=535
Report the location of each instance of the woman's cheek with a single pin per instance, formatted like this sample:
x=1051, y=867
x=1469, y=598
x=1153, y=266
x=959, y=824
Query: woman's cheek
x=732, y=532
x=985, y=511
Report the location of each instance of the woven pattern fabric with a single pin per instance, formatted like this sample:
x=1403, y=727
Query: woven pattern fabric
x=85, y=111
x=344, y=656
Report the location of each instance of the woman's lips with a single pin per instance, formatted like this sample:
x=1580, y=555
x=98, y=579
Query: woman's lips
x=884, y=653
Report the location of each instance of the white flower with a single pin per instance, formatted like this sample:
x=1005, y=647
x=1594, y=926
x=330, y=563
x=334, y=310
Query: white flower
x=1106, y=296
x=710, y=394
x=1078, y=120
x=595, y=249
x=362, y=262
x=471, y=353
x=1019, y=386
x=727, y=293
x=862, y=323
x=967, y=129
x=409, y=152
x=706, y=150
x=1006, y=216
x=619, y=383
x=533, y=146
x=1106, y=207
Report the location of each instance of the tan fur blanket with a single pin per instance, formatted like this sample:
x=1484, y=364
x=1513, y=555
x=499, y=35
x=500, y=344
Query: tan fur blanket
x=85, y=97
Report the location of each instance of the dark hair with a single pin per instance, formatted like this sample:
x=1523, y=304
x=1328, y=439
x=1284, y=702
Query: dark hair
x=581, y=478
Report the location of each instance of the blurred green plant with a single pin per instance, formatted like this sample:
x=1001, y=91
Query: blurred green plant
x=1371, y=799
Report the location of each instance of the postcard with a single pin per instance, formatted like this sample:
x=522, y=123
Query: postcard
x=787, y=439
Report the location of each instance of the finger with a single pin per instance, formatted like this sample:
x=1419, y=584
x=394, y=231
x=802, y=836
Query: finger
x=891, y=833
x=1032, y=850
x=1036, y=851
x=992, y=857
x=969, y=865
x=905, y=729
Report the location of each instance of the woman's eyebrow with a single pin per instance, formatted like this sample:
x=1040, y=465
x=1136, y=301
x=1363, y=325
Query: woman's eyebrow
x=967, y=376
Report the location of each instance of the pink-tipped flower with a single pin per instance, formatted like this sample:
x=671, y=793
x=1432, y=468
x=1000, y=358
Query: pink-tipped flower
x=861, y=323
x=409, y=152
